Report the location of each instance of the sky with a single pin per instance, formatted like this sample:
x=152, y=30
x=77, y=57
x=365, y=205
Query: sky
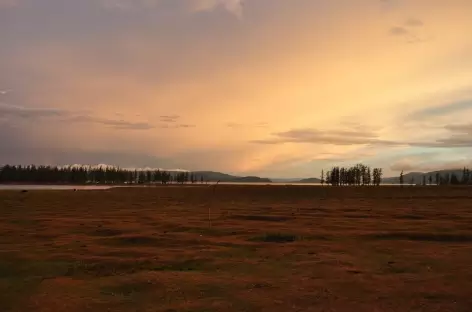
x=274, y=88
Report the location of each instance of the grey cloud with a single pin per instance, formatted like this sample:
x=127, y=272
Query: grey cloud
x=336, y=137
x=311, y=133
x=233, y=6
x=407, y=31
x=12, y=112
x=399, y=31
x=170, y=122
x=441, y=110
x=460, y=136
x=363, y=137
x=236, y=125
x=117, y=124
x=177, y=126
x=463, y=128
x=169, y=118
x=127, y=5
x=413, y=22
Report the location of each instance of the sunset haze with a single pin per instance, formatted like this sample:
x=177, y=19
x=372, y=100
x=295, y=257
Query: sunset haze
x=273, y=88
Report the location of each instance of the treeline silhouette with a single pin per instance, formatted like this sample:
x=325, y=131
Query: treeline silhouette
x=92, y=175
x=448, y=178
x=357, y=175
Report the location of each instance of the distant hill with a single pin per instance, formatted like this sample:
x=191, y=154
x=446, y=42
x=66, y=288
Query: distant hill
x=252, y=179
x=283, y=180
x=417, y=177
x=309, y=180
x=213, y=176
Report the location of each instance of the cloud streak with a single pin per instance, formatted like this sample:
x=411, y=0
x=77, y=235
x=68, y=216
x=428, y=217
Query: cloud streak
x=314, y=136
x=12, y=112
x=408, y=30
x=116, y=124
x=233, y=6
x=169, y=118
x=414, y=22
x=459, y=136
x=441, y=110
x=236, y=125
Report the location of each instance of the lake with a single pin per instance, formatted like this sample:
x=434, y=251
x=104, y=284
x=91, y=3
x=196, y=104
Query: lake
x=38, y=187
x=54, y=187
x=106, y=187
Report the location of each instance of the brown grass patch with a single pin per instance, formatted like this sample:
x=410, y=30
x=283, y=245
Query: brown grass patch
x=262, y=218
x=273, y=248
x=426, y=237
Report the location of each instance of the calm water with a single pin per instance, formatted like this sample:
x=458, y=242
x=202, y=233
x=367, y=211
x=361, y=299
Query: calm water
x=53, y=187
x=104, y=187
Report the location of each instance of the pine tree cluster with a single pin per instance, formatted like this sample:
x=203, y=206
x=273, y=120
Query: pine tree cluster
x=91, y=175
x=357, y=175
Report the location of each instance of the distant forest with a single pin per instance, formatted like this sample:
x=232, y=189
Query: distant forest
x=358, y=175
x=454, y=177
x=92, y=175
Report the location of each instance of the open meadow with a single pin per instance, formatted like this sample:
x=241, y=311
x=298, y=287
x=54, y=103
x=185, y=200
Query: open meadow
x=268, y=248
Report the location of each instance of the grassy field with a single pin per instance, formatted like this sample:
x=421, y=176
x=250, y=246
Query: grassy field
x=269, y=248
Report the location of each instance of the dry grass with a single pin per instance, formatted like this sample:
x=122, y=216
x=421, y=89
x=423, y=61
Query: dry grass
x=269, y=249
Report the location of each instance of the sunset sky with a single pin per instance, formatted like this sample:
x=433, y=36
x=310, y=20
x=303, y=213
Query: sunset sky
x=275, y=88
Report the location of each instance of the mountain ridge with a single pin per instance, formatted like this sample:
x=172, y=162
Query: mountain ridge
x=214, y=176
x=416, y=177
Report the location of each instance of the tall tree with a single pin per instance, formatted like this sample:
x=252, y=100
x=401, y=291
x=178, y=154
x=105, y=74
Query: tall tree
x=369, y=176
x=454, y=179
x=377, y=173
